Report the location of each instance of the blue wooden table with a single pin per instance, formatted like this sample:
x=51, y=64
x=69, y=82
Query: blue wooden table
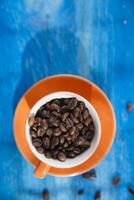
x=91, y=38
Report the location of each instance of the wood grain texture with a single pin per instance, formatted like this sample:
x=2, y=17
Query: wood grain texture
x=91, y=38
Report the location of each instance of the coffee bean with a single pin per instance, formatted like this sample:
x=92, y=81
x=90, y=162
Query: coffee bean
x=61, y=156
x=76, y=150
x=55, y=153
x=116, y=180
x=46, y=142
x=79, y=126
x=75, y=120
x=72, y=130
x=80, y=192
x=81, y=118
x=40, y=132
x=57, y=132
x=80, y=141
x=56, y=101
x=37, y=142
x=91, y=127
x=66, y=144
x=44, y=113
x=31, y=120
x=68, y=123
x=54, y=142
x=70, y=148
x=76, y=112
x=48, y=154
x=88, y=121
x=34, y=127
x=131, y=190
x=81, y=105
x=64, y=109
x=71, y=154
x=62, y=139
x=89, y=135
x=85, y=113
x=48, y=106
x=90, y=174
x=86, y=144
x=49, y=132
x=44, y=123
x=64, y=116
x=62, y=128
x=72, y=103
x=40, y=150
x=33, y=133
x=66, y=101
x=56, y=107
x=56, y=114
x=97, y=195
x=45, y=194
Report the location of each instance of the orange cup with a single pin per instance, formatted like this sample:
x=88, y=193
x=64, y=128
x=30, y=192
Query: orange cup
x=94, y=98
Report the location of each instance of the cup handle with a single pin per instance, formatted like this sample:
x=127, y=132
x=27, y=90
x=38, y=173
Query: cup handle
x=41, y=170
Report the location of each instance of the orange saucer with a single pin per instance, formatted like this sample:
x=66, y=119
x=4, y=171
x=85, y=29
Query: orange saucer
x=77, y=85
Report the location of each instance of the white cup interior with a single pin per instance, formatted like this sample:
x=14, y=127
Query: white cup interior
x=80, y=158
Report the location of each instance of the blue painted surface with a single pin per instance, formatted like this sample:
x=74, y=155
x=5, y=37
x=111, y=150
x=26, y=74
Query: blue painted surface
x=91, y=38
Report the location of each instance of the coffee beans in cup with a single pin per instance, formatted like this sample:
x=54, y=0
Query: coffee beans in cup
x=62, y=128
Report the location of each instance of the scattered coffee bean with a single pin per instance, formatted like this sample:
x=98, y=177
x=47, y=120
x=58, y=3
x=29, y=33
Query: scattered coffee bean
x=97, y=195
x=45, y=194
x=131, y=190
x=80, y=192
x=130, y=107
x=90, y=174
x=61, y=128
x=116, y=180
x=61, y=156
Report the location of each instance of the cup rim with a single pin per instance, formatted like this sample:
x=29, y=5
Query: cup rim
x=78, y=159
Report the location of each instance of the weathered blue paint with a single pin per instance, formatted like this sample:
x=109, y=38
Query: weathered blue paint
x=91, y=38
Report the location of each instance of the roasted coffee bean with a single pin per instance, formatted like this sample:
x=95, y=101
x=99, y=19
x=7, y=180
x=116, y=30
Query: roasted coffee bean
x=81, y=105
x=71, y=154
x=91, y=127
x=88, y=121
x=45, y=194
x=81, y=119
x=31, y=120
x=44, y=123
x=37, y=142
x=79, y=126
x=33, y=133
x=56, y=101
x=89, y=175
x=70, y=148
x=97, y=195
x=80, y=192
x=57, y=132
x=46, y=142
x=64, y=109
x=48, y=106
x=80, y=141
x=44, y=113
x=76, y=150
x=85, y=113
x=72, y=130
x=40, y=132
x=89, y=135
x=74, y=119
x=34, y=127
x=66, y=101
x=131, y=190
x=62, y=139
x=62, y=128
x=49, y=132
x=48, y=154
x=68, y=123
x=66, y=144
x=76, y=112
x=56, y=107
x=56, y=114
x=116, y=180
x=61, y=156
x=64, y=116
x=54, y=142
x=40, y=150
x=55, y=153
x=72, y=103
x=74, y=137
x=68, y=138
